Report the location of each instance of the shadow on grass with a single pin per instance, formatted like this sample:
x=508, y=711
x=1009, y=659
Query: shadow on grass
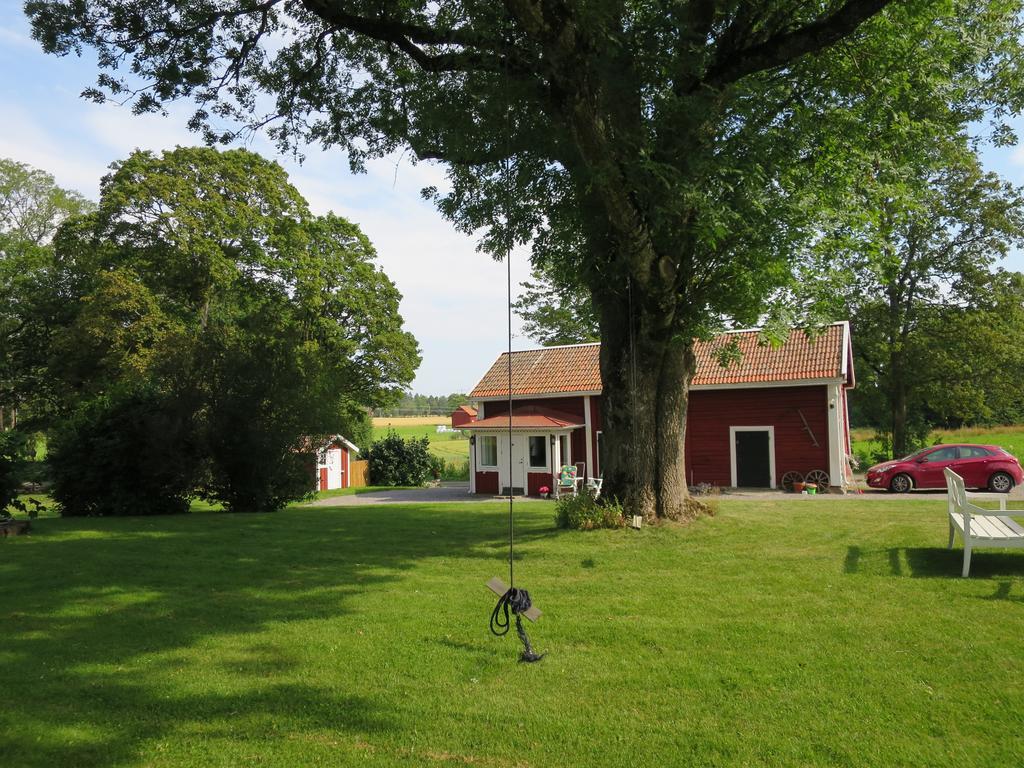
x=110, y=610
x=931, y=562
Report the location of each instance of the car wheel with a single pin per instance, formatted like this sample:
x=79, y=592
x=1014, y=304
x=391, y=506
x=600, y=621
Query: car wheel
x=901, y=483
x=1000, y=482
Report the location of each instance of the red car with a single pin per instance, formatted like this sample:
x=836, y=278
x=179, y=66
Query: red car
x=981, y=466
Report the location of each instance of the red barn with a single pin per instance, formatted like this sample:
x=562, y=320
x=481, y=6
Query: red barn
x=462, y=416
x=332, y=464
x=776, y=410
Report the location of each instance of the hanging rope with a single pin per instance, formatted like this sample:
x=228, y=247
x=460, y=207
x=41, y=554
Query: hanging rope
x=515, y=600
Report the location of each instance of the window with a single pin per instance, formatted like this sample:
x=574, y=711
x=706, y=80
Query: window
x=563, y=448
x=973, y=452
x=538, y=452
x=488, y=445
x=943, y=454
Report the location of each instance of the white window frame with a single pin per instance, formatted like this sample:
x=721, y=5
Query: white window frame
x=546, y=466
x=771, y=451
x=480, y=451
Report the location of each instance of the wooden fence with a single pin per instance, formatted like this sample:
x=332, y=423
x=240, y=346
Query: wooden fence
x=358, y=474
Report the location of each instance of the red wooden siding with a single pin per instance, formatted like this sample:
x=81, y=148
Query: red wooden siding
x=712, y=412
x=534, y=481
x=487, y=482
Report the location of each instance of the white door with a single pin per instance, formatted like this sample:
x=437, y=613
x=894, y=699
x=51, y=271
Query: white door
x=518, y=462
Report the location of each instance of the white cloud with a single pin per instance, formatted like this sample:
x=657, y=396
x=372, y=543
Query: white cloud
x=117, y=129
x=28, y=140
x=12, y=38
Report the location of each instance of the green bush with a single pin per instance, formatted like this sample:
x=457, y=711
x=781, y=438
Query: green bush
x=12, y=450
x=394, y=461
x=583, y=512
x=124, y=454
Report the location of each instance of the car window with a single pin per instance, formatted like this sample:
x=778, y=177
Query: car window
x=943, y=454
x=973, y=452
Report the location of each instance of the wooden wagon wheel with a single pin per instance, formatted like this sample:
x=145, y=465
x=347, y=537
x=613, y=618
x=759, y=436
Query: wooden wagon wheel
x=820, y=478
x=791, y=477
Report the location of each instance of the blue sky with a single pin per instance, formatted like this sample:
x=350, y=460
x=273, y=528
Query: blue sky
x=454, y=298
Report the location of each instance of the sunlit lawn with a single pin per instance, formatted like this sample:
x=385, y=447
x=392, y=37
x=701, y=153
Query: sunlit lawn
x=816, y=632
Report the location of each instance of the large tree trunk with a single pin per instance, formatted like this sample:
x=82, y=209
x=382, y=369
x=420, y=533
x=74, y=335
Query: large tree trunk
x=646, y=372
x=898, y=404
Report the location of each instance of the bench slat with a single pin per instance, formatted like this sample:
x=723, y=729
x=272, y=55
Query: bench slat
x=1013, y=525
x=990, y=527
x=981, y=527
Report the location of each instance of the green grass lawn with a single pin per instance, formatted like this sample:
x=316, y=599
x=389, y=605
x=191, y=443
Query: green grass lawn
x=813, y=633
x=1009, y=437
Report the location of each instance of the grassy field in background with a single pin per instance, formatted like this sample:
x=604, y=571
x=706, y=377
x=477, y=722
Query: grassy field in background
x=1009, y=437
x=451, y=446
x=822, y=632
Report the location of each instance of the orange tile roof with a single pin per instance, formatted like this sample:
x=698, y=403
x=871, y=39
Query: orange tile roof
x=466, y=409
x=576, y=368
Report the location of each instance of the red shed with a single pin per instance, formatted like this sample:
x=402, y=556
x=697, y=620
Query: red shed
x=462, y=416
x=776, y=410
x=332, y=464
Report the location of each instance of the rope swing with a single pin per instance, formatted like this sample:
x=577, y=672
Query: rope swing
x=510, y=599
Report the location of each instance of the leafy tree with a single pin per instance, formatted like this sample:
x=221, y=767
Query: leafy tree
x=555, y=313
x=32, y=206
x=667, y=155
x=907, y=253
x=203, y=277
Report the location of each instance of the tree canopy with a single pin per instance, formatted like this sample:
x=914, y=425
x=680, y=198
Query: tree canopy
x=669, y=156
x=203, y=292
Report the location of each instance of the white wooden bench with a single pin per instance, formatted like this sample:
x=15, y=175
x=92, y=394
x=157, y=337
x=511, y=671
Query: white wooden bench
x=979, y=527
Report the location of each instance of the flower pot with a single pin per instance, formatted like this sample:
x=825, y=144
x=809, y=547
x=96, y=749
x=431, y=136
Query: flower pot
x=812, y=489
x=798, y=487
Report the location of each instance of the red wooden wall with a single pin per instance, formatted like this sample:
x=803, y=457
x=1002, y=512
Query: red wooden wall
x=712, y=412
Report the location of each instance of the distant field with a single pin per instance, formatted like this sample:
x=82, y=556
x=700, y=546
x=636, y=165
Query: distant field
x=1009, y=437
x=451, y=446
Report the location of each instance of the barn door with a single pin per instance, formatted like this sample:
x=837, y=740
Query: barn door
x=323, y=478
x=753, y=460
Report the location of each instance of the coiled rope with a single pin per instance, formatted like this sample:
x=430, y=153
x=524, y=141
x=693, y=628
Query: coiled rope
x=517, y=601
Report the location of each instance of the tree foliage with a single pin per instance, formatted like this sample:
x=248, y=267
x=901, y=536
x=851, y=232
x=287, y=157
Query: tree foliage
x=554, y=313
x=397, y=461
x=32, y=206
x=907, y=249
x=668, y=156
x=204, y=290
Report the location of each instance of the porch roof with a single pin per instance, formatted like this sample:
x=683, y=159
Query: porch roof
x=528, y=422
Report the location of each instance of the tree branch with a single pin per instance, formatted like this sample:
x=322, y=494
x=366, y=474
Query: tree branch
x=409, y=38
x=782, y=48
